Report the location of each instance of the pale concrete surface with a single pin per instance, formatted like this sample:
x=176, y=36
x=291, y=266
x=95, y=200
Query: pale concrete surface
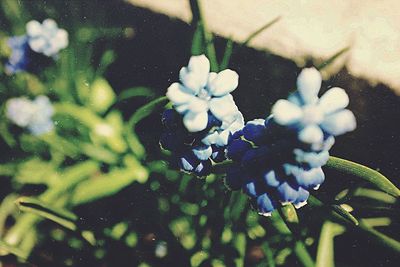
x=309, y=29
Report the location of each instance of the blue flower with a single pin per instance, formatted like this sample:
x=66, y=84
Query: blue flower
x=19, y=58
x=202, y=93
x=314, y=117
x=46, y=38
x=34, y=115
x=278, y=160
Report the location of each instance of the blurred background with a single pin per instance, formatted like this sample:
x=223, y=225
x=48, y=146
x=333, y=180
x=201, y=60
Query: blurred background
x=169, y=218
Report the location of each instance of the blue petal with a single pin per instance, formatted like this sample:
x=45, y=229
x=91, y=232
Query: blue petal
x=265, y=205
x=250, y=189
x=218, y=154
x=286, y=193
x=302, y=198
x=235, y=178
x=254, y=130
x=311, y=178
x=271, y=179
x=237, y=148
x=203, y=168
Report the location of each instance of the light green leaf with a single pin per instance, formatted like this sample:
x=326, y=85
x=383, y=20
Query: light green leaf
x=135, y=92
x=102, y=96
x=325, y=253
x=330, y=60
x=365, y=173
x=61, y=216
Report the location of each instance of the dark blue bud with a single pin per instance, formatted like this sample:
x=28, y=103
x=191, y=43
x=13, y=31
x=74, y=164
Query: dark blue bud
x=265, y=205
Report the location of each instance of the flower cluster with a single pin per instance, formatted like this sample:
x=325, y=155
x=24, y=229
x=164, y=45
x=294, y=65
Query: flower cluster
x=204, y=116
x=278, y=160
x=40, y=39
x=34, y=115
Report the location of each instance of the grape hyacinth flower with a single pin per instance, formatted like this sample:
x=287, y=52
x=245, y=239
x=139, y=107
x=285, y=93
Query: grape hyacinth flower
x=34, y=115
x=40, y=42
x=46, y=38
x=278, y=160
x=204, y=116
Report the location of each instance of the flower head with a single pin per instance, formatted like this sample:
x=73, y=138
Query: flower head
x=46, y=38
x=202, y=93
x=278, y=160
x=34, y=115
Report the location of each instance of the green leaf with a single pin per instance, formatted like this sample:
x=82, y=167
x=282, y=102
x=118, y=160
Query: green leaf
x=102, y=95
x=289, y=214
x=98, y=153
x=198, y=41
x=135, y=92
x=9, y=249
x=61, y=216
x=363, y=172
x=268, y=254
x=380, y=238
x=260, y=30
x=345, y=214
x=227, y=54
x=302, y=254
x=325, y=251
x=108, y=184
x=333, y=58
x=144, y=111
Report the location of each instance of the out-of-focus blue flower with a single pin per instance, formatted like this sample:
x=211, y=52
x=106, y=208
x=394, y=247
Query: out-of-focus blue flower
x=19, y=58
x=202, y=92
x=34, y=115
x=278, y=160
x=46, y=38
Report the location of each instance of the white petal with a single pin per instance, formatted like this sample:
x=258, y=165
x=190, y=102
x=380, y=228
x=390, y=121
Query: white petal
x=311, y=134
x=195, y=122
x=308, y=84
x=223, y=107
x=285, y=112
x=340, y=122
x=177, y=94
x=211, y=77
x=333, y=100
x=197, y=105
x=210, y=139
x=61, y=39
x=203, y=153
x=199, y=64
x=33, y=28
x=225, y=82
x=37, y=44
x=195, y=76
x=49, y=24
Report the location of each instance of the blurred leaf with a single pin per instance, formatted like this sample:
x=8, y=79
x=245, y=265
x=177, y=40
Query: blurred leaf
x=302, y=254
x=81, y=114
x=198, y=258
x=365, y=173
x=4, y=247
x=36, y=171
x=135, y=92
x=102, y=96
x=106, y=60
x=289, y=214
x=374, y=194
x=8, y=169
x=239, y=242
x=325, y=251
x=345, y=214
x=144, y=111
x=108, y=184
x=380, y=238
x=98, y=153
x=6, y=135
x=7, y=206
x=61, y=216
x=268, y=254
x=377, y=222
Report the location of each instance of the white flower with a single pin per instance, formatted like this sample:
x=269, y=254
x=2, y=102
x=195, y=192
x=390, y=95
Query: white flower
x=46, y=38
x=201, y=91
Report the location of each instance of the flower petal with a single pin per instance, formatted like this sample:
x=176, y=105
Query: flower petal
x=333, y=100
x=265, y=205
x=33, y=28
x=286, y=113
x=195, y=75
x=308, y=84
x=177, y=94
x=311, y=134
x=225, y=82
x=202, y=153
x=195, y=122
x=223, y=107
x=339, y=123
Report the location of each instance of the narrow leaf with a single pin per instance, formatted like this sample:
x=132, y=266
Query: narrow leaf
x=325, y=252
x=260, y=30
x=227, y=54
x=135, y=92
x=365, y=173
x=333, y=58
x=61, y=216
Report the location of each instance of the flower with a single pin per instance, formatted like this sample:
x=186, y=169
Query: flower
x=34, y=115
x=202, y=93
x=19, y=58
x=46, y=38
x=278, y=160
x=314, y=117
